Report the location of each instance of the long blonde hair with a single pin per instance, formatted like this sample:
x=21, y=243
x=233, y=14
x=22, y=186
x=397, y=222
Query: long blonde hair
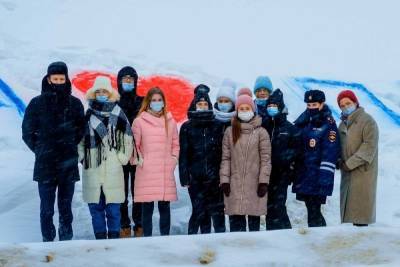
x=147, y=100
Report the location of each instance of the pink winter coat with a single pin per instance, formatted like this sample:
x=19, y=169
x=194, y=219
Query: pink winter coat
x=155, y=180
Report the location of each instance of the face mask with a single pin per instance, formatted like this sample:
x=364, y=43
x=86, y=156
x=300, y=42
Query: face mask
x=157, y=106
x=272, y=111
x=347, y=111
x=128, y=87
x=261, y=102
x=225, y=107
x=201, y=109
x=245, y=115
x=59, y=87
x=102, y=98
x=313, y=111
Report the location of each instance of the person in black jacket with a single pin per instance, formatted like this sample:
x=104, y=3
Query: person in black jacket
x=315, y=167
x=199, y=162
x=52, y=128
x=130, y=103
x=285, y=143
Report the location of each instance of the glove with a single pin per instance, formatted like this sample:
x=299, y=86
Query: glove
x=226, y=188
x=262, y=190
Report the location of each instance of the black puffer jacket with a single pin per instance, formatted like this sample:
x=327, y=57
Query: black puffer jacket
x=130, y=102
x=52, y=128
x=200, y=149
x=286, y=142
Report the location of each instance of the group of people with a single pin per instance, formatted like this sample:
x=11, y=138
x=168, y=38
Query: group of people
x=236, y=157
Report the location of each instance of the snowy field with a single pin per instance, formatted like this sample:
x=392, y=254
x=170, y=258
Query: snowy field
x=343, y=44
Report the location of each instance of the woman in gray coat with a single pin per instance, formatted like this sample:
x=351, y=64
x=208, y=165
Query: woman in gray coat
x=245, y=167
x=359, y=136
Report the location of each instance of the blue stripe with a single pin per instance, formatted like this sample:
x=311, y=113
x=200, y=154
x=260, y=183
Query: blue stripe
x=9, y=93
x=351, y=85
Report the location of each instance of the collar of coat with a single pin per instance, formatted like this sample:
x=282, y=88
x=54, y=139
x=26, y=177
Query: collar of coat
x=247, y=127
x=156, y=121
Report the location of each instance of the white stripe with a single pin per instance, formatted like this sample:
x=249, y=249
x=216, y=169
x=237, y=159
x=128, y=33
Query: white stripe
x=328, y=164
x=327, y=169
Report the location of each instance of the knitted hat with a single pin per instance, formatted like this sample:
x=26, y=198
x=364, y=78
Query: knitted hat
x=263, y=82
x=102, y=82
x=314, y=96
x=201, y=94
x=245, y=91
x=349, y=94
x=245, y=99
x=276, y=98
x=227, y=90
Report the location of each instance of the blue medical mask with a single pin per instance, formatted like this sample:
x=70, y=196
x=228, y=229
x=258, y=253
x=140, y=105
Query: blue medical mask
x=225, y=107
x=128, y=87
x=273, y=111
x=261, y=102
x=157, y=106
x=350, y=109
x=102, y=98
x=201, y=109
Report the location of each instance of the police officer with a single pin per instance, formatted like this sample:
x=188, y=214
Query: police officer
x=315, y=167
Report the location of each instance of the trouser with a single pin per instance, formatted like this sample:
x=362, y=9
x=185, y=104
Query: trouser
x=47, y=194
x=105, y=217
x=277, y=217
x=136, y=213
x=238, y=223
x=360, y=224
x=204, y=210
x=147, y=217
x=314, y=214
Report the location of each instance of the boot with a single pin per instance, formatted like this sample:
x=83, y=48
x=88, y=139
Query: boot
x=125, y=232
x=100, y=236
x=138, y=231
x=113, y=235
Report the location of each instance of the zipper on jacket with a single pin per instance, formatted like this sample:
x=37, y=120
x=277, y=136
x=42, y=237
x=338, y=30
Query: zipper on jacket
x=244, y=170
x=205, y=148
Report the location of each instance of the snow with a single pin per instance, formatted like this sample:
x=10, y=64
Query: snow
x=205, y=42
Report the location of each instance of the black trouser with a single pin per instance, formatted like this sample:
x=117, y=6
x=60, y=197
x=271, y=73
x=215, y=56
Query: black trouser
x=238, y=223
x=205, y=208
x=47, y=193
x=314, y=214
x=129, y=175
x=277, y=217
x=147, y=217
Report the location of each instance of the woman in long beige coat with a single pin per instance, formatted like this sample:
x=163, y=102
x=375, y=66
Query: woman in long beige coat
x=245, y=167
x=359, y=136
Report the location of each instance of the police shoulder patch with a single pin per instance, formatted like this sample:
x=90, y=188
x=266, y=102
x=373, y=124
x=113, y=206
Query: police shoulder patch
x=332, y=136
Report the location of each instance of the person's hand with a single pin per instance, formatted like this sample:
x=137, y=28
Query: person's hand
x=226, y=188
x=345, y=167
x=262, y=189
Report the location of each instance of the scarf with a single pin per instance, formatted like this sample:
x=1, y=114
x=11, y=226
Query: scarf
x=223, y=116
x=106, y=124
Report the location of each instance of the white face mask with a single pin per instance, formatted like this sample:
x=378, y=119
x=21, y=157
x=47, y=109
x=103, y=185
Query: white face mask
x=245, y=115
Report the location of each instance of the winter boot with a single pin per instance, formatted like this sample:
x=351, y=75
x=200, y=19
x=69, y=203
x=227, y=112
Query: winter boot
x=125, y=232
x=100, y=236
x=138, y=231
x=113, y=235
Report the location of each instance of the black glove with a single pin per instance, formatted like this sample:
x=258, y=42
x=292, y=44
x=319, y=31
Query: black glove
x=262, y=190
x=226, y=188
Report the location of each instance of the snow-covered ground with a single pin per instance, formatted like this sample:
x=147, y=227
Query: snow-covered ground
x=205, y=42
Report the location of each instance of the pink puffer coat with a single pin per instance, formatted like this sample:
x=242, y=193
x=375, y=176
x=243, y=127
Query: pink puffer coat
x=155, y=180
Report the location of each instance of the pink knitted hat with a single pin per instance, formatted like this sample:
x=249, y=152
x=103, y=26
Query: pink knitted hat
x=245, y=99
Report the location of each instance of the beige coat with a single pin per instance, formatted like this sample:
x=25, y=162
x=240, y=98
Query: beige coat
x=244, y=166
x=359, y=142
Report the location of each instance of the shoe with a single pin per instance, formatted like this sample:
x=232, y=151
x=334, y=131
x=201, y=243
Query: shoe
x=125, y=233
x=138, y=232
x=113, y=235
x=100, y=236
